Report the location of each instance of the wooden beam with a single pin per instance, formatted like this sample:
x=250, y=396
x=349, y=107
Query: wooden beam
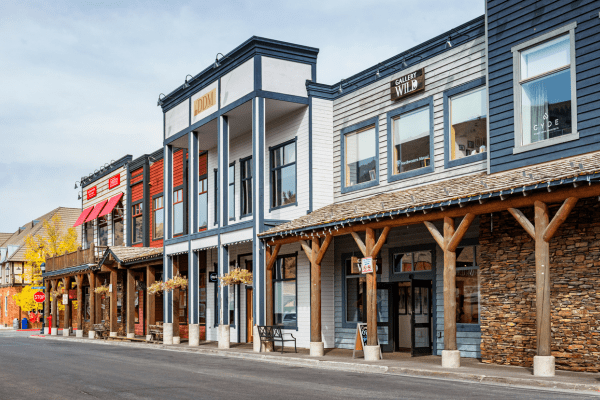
x=269, y=296
x=307, y=249
x=560, y=217
x=542, y=280
x=523, y=221
x=460, y=232
x=150, y=316
x=92, y=281
x=437, y=236
x=359, y=243
x=99, y=310
x=107, y=268
x=315, y=293
x=272, y=256
x=323, y=249
x=449, y=287
x=130, y=319
x=380, y=242
x=67, y=313
x=113, y=302
x=555, y=196
x=79, y=281
x=371, y=292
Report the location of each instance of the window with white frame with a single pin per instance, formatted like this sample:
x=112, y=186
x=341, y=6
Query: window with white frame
x=178, y=212
x=231, y=192
x=136, y=223
x=545, y=95
x=117, y=223
x=158, y=218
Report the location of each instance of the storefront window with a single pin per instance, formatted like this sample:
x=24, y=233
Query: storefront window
x=246, y=178
x=88, y=234
x=414, y=261
x=356, y=290
x=103, y=231
x=283, y=175
x=411, y=136
x=86, y=300
x=117, y=218
x=467, y=285
x=231, y=198
x=136, y=223
x=468, y=123
x=545, y=81
x=158, y=218
x=178, y=212
x=360, y=156
x=203, y=204
x=284, y=291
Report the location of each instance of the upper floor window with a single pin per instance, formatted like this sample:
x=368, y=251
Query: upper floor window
x=231, y=192
x=468, y=123
x=360, y=156
x=158, y=218
x=203, y=203
x=117, y=225
x=103, y=231
x=283, y=175
x=411, y=141
x=544, y=85
x=216, y=197
x=178, y=212
x=88, y=234
x=136, y=223
x=246, y=186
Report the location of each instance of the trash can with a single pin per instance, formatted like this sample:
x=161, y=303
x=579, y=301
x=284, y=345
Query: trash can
x=24, y=323
x=16, y=323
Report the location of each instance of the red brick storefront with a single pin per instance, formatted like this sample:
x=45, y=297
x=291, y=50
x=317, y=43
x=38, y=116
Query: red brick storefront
x=12, y=311
x=507, y=266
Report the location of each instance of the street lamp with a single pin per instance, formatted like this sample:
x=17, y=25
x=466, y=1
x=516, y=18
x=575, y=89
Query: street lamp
x=43, y=268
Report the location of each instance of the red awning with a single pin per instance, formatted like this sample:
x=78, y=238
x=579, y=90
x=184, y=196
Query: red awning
x=97, y=208
x=81, y=218
x=112, y=203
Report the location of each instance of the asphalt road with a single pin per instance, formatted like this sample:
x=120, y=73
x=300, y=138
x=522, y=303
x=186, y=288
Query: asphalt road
x=50, y=369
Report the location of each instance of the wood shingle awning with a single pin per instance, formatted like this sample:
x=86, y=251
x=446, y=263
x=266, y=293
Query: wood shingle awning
x=431, y=201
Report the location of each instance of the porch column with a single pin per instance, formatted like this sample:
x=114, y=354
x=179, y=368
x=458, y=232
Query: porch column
x=67, y=313
x=54, y=327
x=80, y=305
x=130, y=320
x=271, y=257
x=47, y=307
x=167, y=302
x=193, y=291
x=150, y=300
x=224, y=334
x=542, y=232
x=448, y=242
x=114, y=328
x=315, y=255
x=176, y=337
x=92, y=281
x=97, y=310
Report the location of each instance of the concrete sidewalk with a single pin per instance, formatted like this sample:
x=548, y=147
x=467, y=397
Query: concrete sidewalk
x=471, y=370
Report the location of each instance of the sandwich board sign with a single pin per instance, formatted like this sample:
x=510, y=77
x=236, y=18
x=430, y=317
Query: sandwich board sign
x=361, y=339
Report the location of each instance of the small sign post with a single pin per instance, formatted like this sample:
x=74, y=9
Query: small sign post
x=39, y=297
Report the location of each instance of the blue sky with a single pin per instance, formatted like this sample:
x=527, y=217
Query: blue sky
x=79, y=80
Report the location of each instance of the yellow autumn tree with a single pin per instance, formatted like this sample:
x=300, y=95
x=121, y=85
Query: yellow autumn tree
x=53, y=240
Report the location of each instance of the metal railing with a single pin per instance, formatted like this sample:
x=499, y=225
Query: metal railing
x=75, y=258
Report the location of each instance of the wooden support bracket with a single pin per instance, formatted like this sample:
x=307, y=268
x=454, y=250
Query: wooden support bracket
x=560, y=217
x=272, y=256
x=523, y=221
x=359, y=243
x=323, y=248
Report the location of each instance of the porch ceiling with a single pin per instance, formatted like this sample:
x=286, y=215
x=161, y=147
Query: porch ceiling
x=466, y=190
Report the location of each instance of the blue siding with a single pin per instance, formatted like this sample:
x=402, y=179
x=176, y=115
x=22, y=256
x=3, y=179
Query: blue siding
x=514, y=22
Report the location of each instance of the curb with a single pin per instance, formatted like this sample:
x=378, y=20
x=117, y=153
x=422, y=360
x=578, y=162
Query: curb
x=349, y=367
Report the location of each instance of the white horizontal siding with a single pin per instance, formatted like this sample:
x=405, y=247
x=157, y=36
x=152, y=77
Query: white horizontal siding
x=322, y=150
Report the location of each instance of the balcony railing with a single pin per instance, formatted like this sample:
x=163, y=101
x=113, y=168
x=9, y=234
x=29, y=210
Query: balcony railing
x=75, y=258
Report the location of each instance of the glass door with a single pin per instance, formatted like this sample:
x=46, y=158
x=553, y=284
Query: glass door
x=385, y=326
x=421, y=317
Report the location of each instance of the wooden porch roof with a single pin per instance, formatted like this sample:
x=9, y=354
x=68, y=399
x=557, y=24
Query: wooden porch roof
x=128, y=255
x=462, y=191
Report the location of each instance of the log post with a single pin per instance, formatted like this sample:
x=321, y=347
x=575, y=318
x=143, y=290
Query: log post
x=114, y=328
x=371, y=292
x=315, y=299
x=130, y=304
x=80, y=305
x=67, y=313
x=449, y=288
x=150, y=299
x=98, y=312
x=176, y=337
x=92, y=281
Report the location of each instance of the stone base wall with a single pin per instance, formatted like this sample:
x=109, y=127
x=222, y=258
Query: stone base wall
x=507, y=287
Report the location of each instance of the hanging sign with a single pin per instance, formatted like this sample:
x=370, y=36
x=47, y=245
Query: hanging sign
x=114, y=181
x=408, y=85
x=361, y=339
x=367, y=265
x=65, y=299
x=213, y=277
x=72, y=294
x=92, y=192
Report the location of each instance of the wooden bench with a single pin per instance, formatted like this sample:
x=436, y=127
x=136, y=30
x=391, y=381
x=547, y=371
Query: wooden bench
x=272, y=334
x=156, y=331
x=100, y=330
